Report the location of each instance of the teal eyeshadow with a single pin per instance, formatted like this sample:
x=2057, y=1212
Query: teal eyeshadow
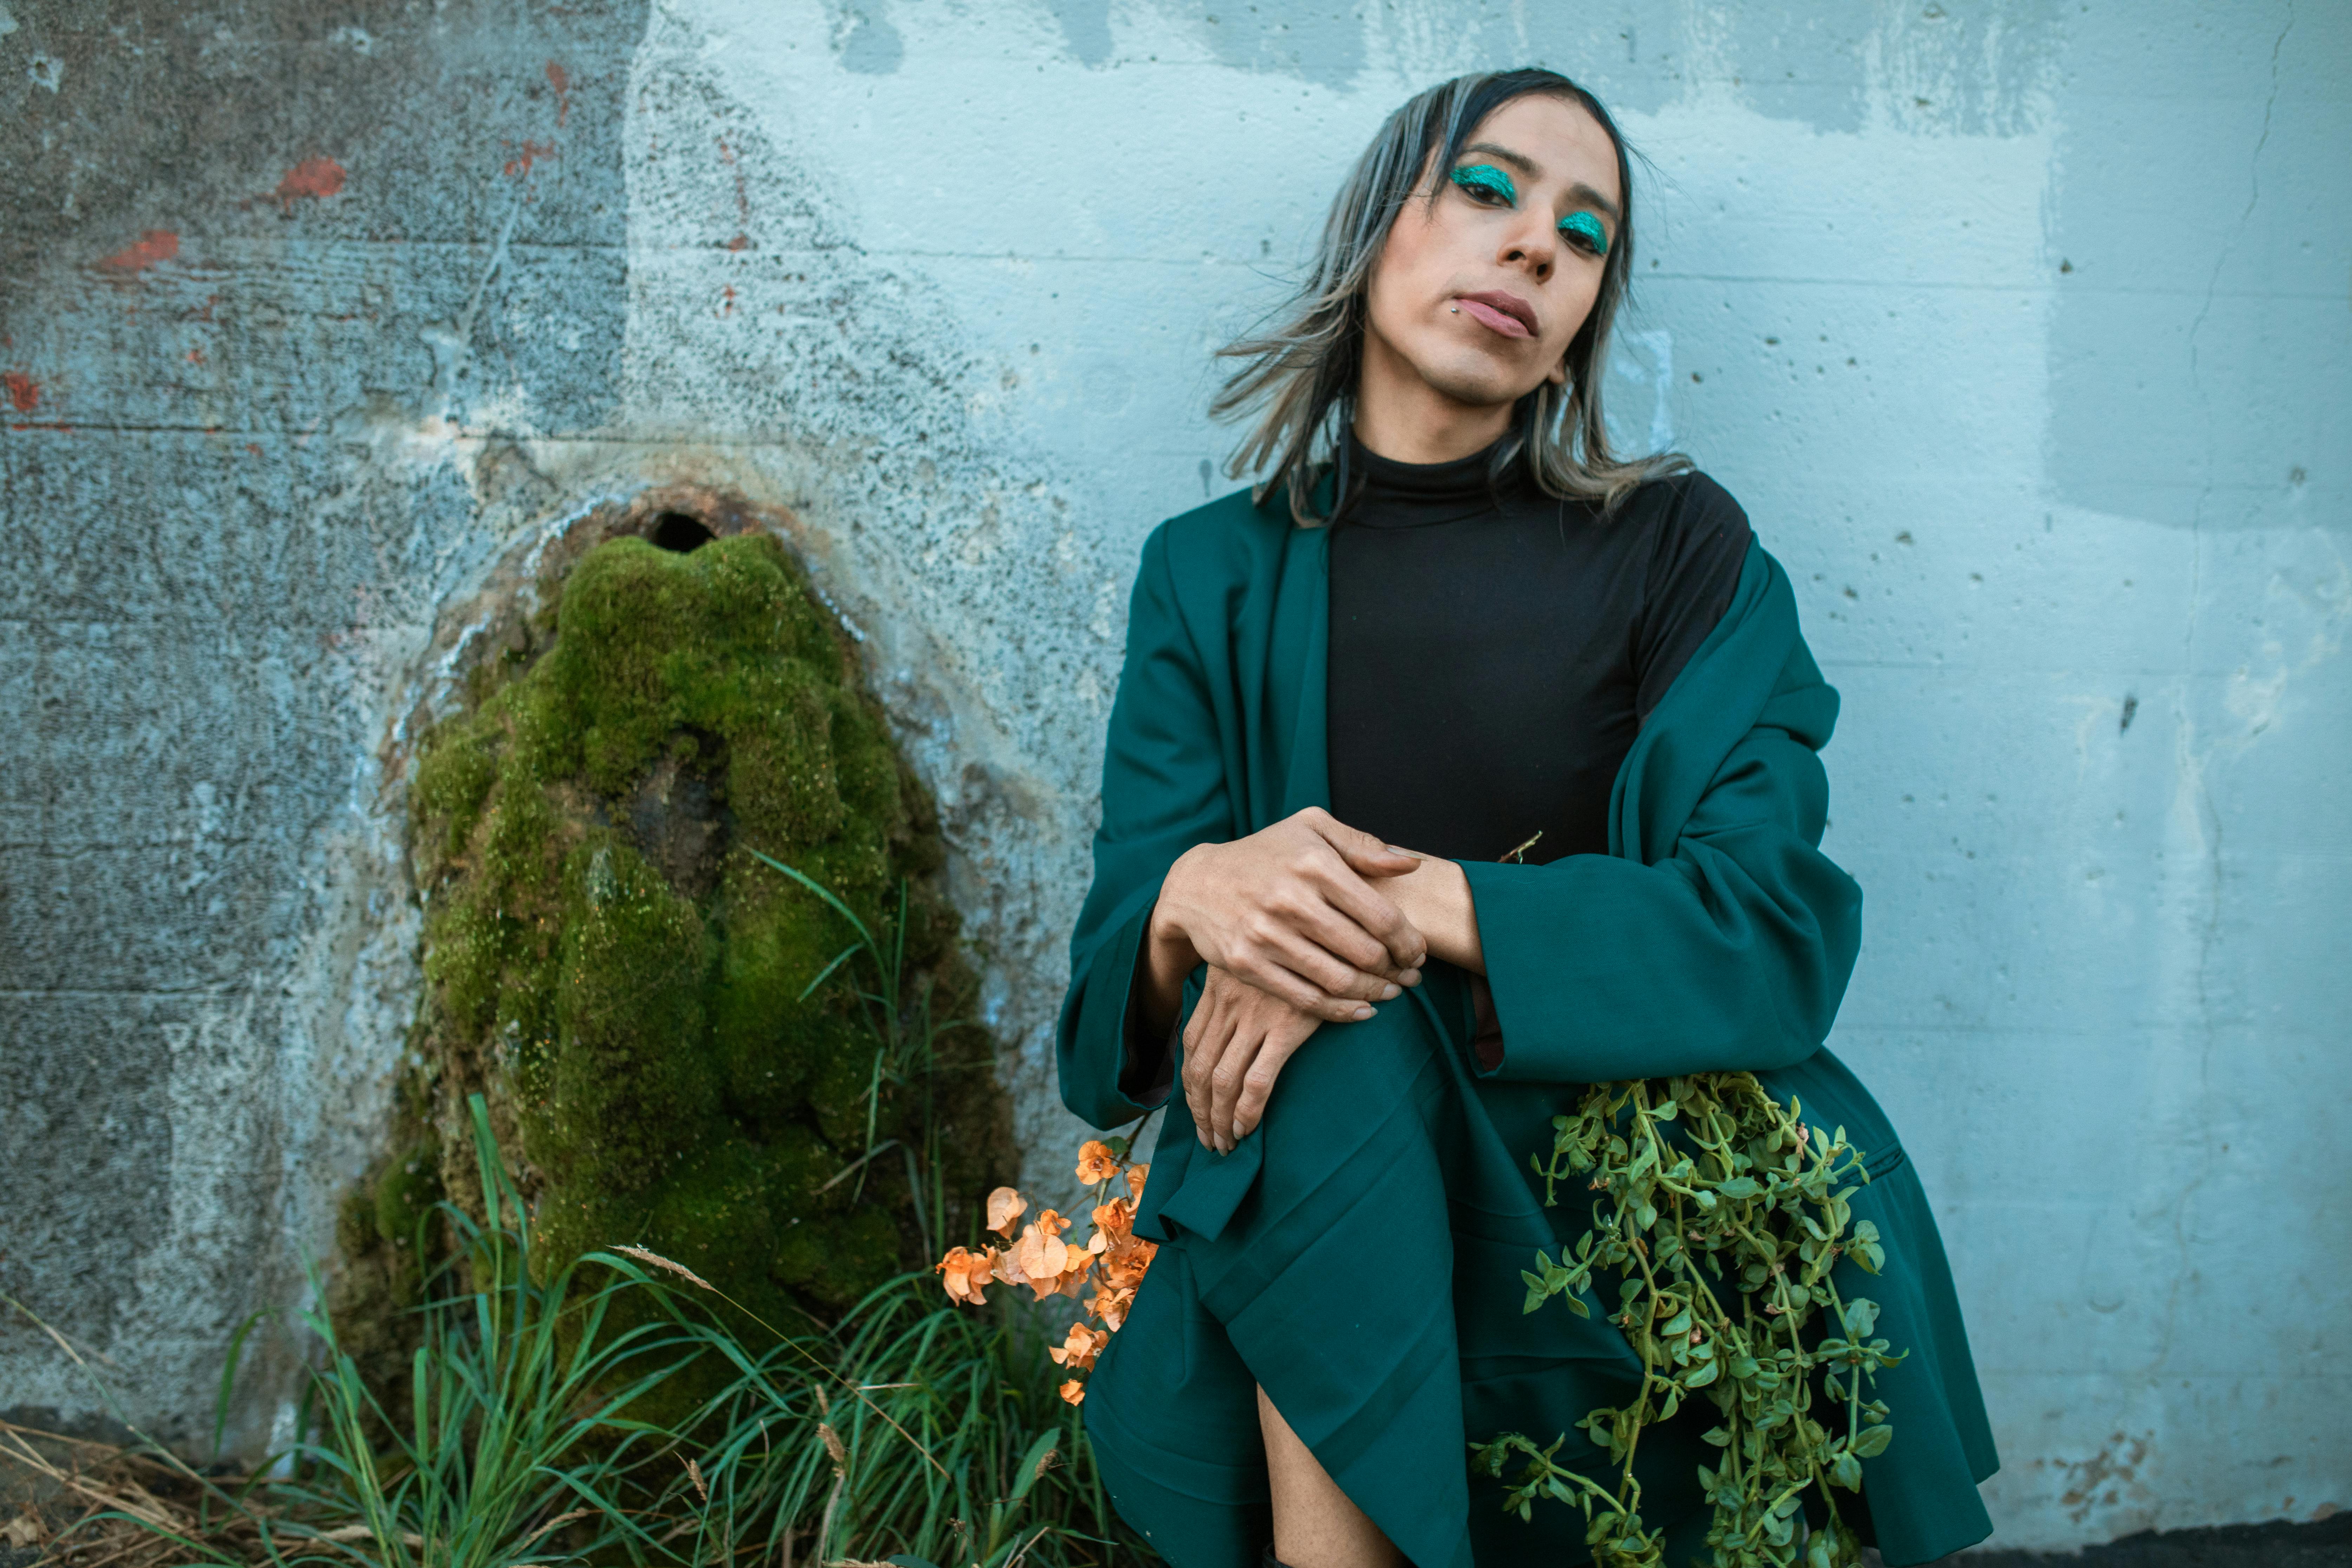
x=1488, y=177
x=1589, y=227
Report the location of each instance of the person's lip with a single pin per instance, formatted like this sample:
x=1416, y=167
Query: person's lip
x=1504, y=313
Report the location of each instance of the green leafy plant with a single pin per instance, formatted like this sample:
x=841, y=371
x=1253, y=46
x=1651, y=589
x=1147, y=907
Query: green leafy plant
x=1720, y=1214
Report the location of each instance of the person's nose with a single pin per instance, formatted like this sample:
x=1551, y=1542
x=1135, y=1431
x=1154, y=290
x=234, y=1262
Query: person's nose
x=1533, y=244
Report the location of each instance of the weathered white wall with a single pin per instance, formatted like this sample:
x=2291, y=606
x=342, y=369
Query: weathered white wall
x=2022, y=331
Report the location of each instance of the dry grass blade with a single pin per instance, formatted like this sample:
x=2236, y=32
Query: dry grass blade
x=840, y=1458
x=352, y=1533
x=658, y=1261
x=63, y=1344
x=560, y=1521
x=127, y=1497
x=1014, y=1560
x=100, y=1514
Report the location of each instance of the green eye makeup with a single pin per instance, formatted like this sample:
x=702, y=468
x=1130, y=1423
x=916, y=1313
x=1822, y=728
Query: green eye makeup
x=1476, y=178
x=1486, y=177
x=1586, y=227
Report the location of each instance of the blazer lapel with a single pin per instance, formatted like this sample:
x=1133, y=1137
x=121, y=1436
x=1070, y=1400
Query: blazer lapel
x=1298, y=671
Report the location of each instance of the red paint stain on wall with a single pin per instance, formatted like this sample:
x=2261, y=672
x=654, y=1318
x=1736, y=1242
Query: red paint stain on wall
x=23, y=392
x=533, y=152
x=155, y=245
x=317, y=178
x=560, y=80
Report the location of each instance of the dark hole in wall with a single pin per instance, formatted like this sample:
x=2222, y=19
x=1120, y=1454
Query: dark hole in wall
x=680, y=531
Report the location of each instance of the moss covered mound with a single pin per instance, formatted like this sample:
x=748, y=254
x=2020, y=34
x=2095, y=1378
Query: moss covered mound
x=610, y=963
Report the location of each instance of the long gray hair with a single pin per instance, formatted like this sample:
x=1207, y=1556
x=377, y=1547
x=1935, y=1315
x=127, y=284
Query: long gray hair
x=1304, y=371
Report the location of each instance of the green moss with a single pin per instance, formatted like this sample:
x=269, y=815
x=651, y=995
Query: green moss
x=607, y=960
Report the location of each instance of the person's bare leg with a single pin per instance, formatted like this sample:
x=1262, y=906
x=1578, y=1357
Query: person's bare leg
x=1315, y=1525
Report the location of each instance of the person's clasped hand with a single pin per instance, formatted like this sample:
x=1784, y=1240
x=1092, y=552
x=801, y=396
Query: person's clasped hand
x=1296, y=933
x=1293, y=911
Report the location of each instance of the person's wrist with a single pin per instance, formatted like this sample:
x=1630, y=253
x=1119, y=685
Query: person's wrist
x=1165, y=931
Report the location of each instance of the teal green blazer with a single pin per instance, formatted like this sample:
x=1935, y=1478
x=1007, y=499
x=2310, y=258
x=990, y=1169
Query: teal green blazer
x=1714, y=936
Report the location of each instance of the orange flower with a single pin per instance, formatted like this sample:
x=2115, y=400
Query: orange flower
x=1135, y=1174
x=963, y=1273
x=1050, y=1263
x=1114, y=1222
x=1125, y=1261
x=1074, y=1392
x=1078, y=1351
x=1095, y=1162
x=1004, y=1206
x=1111, y=1305
x=1009, y=1269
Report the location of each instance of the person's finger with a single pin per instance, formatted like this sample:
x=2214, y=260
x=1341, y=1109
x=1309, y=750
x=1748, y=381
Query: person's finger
x=1365, y=853
x=1269, y=973
x=1360, y=902
x=1327, y=974
x=1226, y=1084
x=1257, y=1082
x=1211, y=1002
x=1373, y=971
x=1205, y=1040
x=1303, y=905
x=1271, y=936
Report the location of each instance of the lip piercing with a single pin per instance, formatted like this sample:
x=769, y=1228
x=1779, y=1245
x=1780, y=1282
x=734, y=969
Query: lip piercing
x=1455, y=309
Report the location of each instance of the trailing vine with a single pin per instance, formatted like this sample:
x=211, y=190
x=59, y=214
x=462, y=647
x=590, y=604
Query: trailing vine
x=1720, y=1214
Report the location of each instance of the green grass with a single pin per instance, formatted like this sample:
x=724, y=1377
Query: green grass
x=591, y=1404
x=911, y=1429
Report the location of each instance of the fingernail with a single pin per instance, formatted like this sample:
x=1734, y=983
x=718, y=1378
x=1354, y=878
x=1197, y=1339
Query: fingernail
x=1388, y=993
x=1406, y=853
x=1410, y=977
x=1363, y=1014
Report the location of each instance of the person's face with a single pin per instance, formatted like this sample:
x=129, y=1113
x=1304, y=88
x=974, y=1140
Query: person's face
x=1479, y=293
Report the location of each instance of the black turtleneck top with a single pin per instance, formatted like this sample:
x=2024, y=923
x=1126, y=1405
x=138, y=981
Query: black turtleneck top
x=1495, y=650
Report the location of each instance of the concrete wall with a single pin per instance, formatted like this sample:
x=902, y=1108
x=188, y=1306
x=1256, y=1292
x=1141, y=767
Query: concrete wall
x=2020, y=328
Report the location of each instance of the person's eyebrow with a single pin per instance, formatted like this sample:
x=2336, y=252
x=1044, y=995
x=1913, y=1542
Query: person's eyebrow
x=1579, y=192
x=1519, y=161
x=1593, y=198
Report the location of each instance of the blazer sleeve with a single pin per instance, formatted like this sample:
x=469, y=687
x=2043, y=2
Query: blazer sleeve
x=1730, y=953
x=1163, y=791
